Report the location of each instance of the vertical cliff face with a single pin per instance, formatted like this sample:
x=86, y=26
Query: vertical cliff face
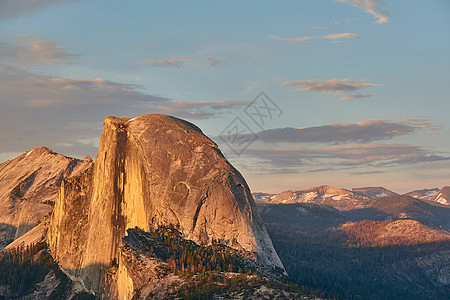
x=28, y=186
x=149, y=171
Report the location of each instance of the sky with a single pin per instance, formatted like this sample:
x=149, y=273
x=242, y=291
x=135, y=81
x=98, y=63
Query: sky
x=297, y=94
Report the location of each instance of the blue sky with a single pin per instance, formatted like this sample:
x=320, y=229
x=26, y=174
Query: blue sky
x=362, y=85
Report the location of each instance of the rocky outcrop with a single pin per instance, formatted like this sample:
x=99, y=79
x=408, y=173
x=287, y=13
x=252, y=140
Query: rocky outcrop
x=28, y=187
x=137, y=271
x=152, y=170
x=443, y=196
x=424, y=194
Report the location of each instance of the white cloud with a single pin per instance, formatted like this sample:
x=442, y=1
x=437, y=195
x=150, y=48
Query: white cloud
x=370, y=6
x=181, y=61
x=334, y=86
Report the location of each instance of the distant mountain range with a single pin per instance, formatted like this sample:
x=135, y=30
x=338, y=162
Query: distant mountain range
x=344, y=199
x=401, y=207
x=388, y=208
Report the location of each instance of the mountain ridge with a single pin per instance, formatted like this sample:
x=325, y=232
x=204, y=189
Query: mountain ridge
x=347, y=199
x=28, y=185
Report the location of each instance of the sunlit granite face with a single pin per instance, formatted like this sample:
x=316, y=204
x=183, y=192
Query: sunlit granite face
x=149, y=171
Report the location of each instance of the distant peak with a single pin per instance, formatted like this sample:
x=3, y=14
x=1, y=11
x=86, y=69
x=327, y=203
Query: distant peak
x=36, y=151
x=42, y=149
x=326, y=188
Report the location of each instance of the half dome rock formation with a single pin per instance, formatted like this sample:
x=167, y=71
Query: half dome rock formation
x=28, y=187
x=152, y=170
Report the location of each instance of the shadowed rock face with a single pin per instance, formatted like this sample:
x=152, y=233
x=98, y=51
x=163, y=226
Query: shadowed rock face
x=150, y=171
x=28, y=186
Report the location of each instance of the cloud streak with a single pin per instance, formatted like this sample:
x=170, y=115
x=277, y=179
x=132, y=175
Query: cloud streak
x=340, y=36
x=304, y=39
x=343, y=133
x=333, y=86
x=370, y=6
x=21, y=88
x=182, y=61
x=294, y=40
x=353, y=97
x=26, y=50
x=363, y=132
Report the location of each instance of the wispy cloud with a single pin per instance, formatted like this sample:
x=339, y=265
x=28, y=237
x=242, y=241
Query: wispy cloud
x=353, y=97
x=340, y=36
x=333, y=86
x=26, y=50
x=304, y=39
x=26, y=89
x=423, y=124
x=13, y=8
x=370, y=6
x=182, y=61
x=319, y=27
x=294, y=40
x=363, y=173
